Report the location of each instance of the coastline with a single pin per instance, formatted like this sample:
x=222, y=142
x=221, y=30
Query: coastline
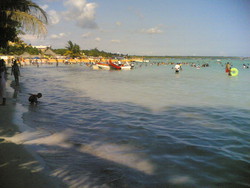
x=18, y=167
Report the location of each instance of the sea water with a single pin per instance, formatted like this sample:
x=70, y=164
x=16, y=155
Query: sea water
x=146, y=127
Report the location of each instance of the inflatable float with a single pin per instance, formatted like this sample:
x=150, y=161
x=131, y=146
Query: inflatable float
x=234, y=72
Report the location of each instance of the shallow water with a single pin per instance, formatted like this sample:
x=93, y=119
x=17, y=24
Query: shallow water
x=146, y=127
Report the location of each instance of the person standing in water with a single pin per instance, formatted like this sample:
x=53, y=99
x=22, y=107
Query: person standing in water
x=57, y=63
x=228, y=69
x=3, y=75
x=15, y=70
x=177, y=68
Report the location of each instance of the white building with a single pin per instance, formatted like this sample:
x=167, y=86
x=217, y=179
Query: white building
x=42, y=48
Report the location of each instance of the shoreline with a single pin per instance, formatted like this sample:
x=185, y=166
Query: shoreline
x=19, y=167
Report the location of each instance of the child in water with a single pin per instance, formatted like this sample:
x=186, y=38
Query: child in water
x=33, y=98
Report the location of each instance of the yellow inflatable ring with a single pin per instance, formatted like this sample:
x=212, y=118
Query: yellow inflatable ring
x=234, y=72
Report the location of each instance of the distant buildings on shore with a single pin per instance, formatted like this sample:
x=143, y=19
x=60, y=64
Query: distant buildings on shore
x=42, y=48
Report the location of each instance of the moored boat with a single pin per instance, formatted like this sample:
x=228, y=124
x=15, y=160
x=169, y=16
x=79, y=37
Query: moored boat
x=104, y=66
x=126, y=66
x=114, y=65
x=120, y=66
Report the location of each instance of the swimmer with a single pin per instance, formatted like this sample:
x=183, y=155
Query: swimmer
x=245, y=66
x=33, y=98
x=177, y=68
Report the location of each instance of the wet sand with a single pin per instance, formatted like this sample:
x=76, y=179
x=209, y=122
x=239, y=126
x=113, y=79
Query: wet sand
x=18, y=167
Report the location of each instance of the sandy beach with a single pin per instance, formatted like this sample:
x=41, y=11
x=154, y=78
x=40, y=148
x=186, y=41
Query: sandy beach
x=18, y=167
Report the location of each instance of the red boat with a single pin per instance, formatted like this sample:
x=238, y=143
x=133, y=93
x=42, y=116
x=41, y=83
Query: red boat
x=120, y=66
x=104, y=66
x=114, y=66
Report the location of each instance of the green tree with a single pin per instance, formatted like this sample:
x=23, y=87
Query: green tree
x=60, y=51
x=20, y=16
x=32, y=51
x=20, y=48
x=73, y=50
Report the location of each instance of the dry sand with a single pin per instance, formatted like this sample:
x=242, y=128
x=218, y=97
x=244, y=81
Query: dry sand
x=18, y=168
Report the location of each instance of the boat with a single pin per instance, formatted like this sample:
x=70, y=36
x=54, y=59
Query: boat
x=95, y=67
x=114, y=65
x=126, y=66
x=120, y=66
x=104, y=66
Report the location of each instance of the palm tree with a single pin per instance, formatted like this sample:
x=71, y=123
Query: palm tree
x=73, y=50
x=70, y=46
x=20, y=16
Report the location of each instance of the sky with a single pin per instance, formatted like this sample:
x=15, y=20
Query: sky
x=149, y=27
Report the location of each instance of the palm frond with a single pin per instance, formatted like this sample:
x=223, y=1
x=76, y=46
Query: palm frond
x=38, y=11
x=29, y=23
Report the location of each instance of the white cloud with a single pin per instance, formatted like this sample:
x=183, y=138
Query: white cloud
x=58, y=36
x=53, y=17
x=154, y=30
x=82, y=12
x=116, y=41
x=86, y=35
x=97, y=39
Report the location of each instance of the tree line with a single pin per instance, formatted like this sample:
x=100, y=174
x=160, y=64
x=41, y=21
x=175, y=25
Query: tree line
x=71, y=50
x=74, y=50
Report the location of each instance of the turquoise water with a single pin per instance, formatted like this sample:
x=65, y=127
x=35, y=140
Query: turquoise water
x=146, y=127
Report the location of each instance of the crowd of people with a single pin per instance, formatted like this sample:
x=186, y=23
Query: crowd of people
x=33, y=97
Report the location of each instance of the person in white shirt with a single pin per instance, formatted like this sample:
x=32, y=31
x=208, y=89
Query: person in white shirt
x=177, y=68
